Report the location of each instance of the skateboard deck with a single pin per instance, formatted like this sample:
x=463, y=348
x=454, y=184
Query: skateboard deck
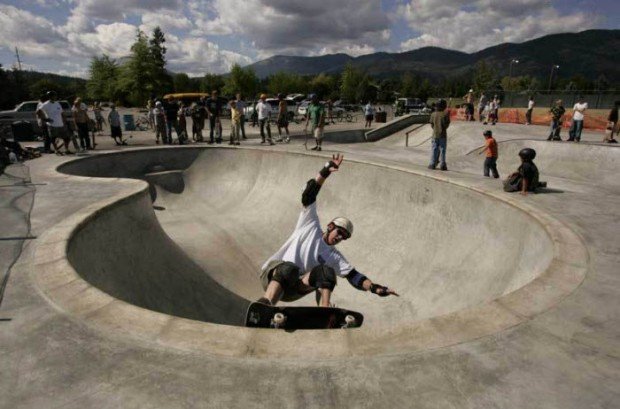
x=260, y=315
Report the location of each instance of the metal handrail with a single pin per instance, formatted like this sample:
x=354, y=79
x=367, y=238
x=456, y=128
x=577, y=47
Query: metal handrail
x=408, y=132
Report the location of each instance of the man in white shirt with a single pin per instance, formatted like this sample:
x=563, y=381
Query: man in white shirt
x=308, y=261
x=51, y=113
x=530, y=108
x=574, y=134
x=263, y=109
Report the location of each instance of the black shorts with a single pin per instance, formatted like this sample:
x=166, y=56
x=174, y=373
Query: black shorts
x=282, y=122
x=369, y=117
x=116, y=132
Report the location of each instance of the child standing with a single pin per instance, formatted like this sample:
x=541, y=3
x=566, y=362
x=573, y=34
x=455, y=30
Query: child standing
x=235, y=123
x=490, y=161
x=114, y=120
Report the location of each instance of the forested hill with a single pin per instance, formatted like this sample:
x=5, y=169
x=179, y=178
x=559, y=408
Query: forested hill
x=589, y=54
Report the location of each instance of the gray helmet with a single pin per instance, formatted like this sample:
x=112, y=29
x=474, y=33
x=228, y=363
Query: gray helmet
x=343, y=223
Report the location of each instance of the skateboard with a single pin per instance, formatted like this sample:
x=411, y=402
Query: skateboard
x=261, y=315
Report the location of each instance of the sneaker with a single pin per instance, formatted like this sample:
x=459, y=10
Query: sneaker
x=245, y=137
x=431, y=167
x=443, y=167
x=210, y=143
x=263, y=300
x=218, y=141
x=271, y=143
x=316, y=148
x=287, y=140
x=238, y=143
x=262, y=142
x=319, y=149
x=231, y=143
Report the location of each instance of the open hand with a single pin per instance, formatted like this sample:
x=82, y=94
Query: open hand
x=337, y=159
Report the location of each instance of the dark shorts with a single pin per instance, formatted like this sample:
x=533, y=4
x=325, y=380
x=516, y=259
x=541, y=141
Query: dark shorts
x=369, y=117
x=116, y=132
x=282, y=122
x=290, y=294
x=58, y=132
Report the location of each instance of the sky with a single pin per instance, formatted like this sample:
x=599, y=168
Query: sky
x=209, y=36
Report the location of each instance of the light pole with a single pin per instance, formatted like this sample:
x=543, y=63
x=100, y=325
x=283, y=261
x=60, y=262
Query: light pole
x=513, y=61
x=553, y=67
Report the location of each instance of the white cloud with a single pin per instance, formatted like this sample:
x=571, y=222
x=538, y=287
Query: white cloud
x=484, y=23
x=198, y=56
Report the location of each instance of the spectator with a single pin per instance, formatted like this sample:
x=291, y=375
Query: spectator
x=495, y=110
x=99, y=121
x=199, y=114
x=254, y=116
x=182, y=124
x=574, y=133
x=214, y=110
x=316, y=114
x=47, y=146
x=530, y=109
x=369, y=112
x=235, y=123
x=557, y=111
x=263, y=111
x=490, y=160
x=150, y=106
x=241, y=106
x=525, y=179
x=114, y=119
x=172, y=110
x=482, y=103
x=282, y=119
x=160, y=122
x=469, y=105
x=440, y=121
x=486, y=113
x=330, y=113
x=51, y=113
x=80, y=120
x=612, y=124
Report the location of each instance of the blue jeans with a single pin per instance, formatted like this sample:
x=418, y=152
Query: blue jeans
x=170, y=126
x=439, y=148
x=574, y=134
x=554, y=129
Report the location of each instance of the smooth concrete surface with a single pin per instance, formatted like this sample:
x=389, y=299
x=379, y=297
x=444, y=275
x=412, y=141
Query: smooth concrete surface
x=544, y=334
x=395, y=125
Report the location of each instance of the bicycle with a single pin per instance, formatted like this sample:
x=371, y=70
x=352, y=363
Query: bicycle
x=143, y=123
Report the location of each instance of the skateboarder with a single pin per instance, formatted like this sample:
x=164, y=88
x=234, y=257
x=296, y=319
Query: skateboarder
x=308, y=261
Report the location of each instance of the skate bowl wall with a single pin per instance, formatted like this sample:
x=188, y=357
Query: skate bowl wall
x=452, y=253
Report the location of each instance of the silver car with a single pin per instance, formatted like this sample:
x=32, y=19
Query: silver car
x=26, y=111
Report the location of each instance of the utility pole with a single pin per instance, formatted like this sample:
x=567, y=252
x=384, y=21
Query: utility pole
x=19, y=62
x=512, y=61
x=553, y=67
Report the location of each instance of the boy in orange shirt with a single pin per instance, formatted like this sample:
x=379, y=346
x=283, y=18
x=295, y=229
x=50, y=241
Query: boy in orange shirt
x=490, y=162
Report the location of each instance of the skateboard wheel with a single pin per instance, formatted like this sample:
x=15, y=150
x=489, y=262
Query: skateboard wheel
x=349, y=320
x=279, y=318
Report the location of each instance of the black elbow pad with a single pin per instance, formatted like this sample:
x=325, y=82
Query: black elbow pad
x=356, y=279
x=310, y=193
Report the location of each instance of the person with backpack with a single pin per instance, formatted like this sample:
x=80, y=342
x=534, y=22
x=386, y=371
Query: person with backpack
x=557, y=111
x=526, y=178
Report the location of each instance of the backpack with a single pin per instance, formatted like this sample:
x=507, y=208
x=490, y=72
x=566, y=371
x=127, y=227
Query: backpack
x=513, y=182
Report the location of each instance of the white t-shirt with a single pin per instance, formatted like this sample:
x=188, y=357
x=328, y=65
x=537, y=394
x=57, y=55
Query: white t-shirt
x=307, y=249
x=369, y=110
x=53, y=110
x=530, y=104
x=263, y=109
x=578, y=116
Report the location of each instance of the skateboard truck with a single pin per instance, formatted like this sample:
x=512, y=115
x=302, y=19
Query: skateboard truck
x=349, y=322
x=278, y=320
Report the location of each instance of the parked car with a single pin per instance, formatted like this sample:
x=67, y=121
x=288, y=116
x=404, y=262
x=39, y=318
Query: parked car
x=291, y=107
x=26, y=112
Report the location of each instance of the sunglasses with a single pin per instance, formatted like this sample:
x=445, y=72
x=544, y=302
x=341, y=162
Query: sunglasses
x=343, y=233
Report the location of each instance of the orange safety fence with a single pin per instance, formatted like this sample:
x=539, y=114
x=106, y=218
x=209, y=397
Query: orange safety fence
x=593, y=119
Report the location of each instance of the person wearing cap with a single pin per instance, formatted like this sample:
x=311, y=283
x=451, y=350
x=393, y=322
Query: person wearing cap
x=309, y=261
x=316, y=114
x=490, y=150
x=469, y=105
x=526, y=178
x=282, y=121
x=80, y=120
x=440, y=121
x=263, y=110
x=51, y=113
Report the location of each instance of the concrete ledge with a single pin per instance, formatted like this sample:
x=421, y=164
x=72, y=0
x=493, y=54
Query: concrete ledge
x=61, y=285
x=395, y=125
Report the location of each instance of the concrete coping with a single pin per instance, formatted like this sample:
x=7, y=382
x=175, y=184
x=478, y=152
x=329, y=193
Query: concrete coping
x=63, y=287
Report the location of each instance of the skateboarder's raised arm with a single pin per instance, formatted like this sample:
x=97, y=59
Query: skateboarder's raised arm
x=314, y=185
x=363, y=283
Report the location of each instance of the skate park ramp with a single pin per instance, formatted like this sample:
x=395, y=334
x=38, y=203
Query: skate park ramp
x=196, y=251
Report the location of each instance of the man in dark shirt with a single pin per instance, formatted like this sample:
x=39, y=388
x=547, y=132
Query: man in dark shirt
x=214, y=109
x=557, y=111
x=171, y=109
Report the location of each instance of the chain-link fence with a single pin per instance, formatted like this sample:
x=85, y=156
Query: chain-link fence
x=16, y=201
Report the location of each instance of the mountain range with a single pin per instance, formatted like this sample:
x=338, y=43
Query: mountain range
x=589, y=53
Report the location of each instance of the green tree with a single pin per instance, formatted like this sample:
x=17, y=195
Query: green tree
x=163, y=81
x=241, y=80
x=211, y=82
x=483, y=76
x=102, y=83
x=351, y=84
x=40, y=87
x=182, y=83
x=137, y=75
x=325, y=86
x=284, y=82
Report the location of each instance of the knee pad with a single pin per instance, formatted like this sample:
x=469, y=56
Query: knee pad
x=323, y=276
x=287, y=274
